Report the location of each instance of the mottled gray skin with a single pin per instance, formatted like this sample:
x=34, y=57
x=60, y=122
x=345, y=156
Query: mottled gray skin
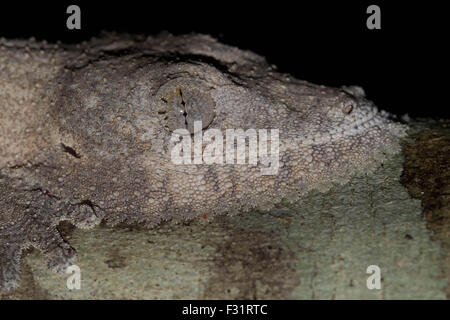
x=85, y=131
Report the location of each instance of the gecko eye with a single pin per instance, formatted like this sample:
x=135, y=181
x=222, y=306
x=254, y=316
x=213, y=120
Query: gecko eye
x=183, y=102
x=348, y=109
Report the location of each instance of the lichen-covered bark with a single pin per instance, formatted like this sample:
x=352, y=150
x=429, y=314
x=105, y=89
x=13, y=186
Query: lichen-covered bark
x=318, y=247
x=427, y=177
x=86, y=134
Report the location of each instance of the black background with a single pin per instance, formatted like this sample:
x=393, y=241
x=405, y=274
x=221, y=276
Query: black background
x=277, y=309
x=401, y=66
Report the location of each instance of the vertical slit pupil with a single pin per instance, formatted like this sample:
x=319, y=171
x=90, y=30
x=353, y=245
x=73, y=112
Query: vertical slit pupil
x=184, y=107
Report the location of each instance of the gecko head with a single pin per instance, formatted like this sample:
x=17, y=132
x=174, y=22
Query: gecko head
x=120, y=119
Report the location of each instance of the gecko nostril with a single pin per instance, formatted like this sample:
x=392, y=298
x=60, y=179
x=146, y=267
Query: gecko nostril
x=348, y=109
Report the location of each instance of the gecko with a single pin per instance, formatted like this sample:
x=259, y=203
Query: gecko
x=85, y=136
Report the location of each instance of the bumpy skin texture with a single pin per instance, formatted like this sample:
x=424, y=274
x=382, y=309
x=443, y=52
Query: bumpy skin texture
x=85, y=134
